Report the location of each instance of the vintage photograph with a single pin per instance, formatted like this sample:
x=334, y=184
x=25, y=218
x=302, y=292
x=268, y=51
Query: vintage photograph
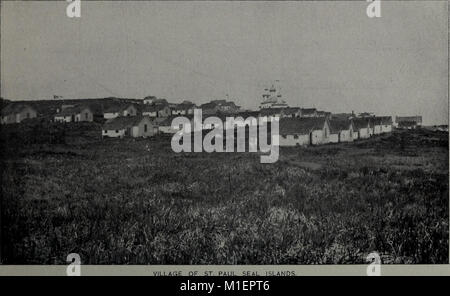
x=224, y=132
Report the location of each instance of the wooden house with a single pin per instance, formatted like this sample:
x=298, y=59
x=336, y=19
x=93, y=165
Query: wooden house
x=308, y=112
x=155, y=111
x=185, y=108
x=15, y=113
x=386, y=124
x=341, y=130
x=128, y=126
x=219, y=106
x=361, y=128
x=116, y=111
x=304, y=131
x=410, y=121
x=75, y=114
x=290, y=112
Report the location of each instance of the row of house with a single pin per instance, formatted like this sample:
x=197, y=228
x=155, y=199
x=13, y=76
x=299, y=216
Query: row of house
x=298, y=126
x=293, y=131
x=129, y=126
x=152, y=107
x=292, y=112
x=322, y=130
x=74, y=114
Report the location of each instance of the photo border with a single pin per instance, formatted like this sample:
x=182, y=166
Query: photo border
x=300, y=270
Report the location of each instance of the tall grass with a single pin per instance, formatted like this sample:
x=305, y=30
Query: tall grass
x=137, y=202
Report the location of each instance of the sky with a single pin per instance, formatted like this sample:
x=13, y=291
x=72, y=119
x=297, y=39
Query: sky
x=327, y=55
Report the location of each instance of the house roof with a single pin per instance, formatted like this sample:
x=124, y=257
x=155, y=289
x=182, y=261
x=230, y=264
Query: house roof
x=407, y=123
x=303, y=126
x=209, y=105
x=153, y=108
x=72, y=110
x=167, y=121
x=365, y=114
x=184, y=106
x=160, y=102
x=118, y=108
x=245, y=114
x=341, y=115
x=290, y=110
x=323, y=113
x=417, y=118
x=337, y=125
x=360, y=123
x=383, y=120
x=308, y=111
x=15, y=108
x=216, y=103
x=269, y=111
x=122, y=122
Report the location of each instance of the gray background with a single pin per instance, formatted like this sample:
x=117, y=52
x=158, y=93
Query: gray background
x=328, y=55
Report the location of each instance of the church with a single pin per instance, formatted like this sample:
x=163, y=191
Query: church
x=272, y=98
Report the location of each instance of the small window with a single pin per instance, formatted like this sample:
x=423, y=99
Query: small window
x=145, y=128
x=86, y=115
x=117, y=131
x=295, y=136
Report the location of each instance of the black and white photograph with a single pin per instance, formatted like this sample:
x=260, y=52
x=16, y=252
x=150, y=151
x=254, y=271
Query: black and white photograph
x=224, y=133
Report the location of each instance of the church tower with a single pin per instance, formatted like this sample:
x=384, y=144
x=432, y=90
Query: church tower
x=272, y=97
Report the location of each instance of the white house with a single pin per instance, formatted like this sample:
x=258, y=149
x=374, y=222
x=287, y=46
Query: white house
x=407, y=125
x=149, y=100
x=185, y=108
x=377, y=126
x=341, y=130
x=362, y=128
x=156, y=111
x=270, y=113
x=410, y=121
x=116, y=111
x=290, y=112
x=128, y=126
x=308, y=112
x=15, y=113
x=386, y=124
x=164, y=125
x=75, y=114
x=304, y=131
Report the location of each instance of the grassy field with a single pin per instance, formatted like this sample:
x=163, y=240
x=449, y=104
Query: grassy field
x=137, y=202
